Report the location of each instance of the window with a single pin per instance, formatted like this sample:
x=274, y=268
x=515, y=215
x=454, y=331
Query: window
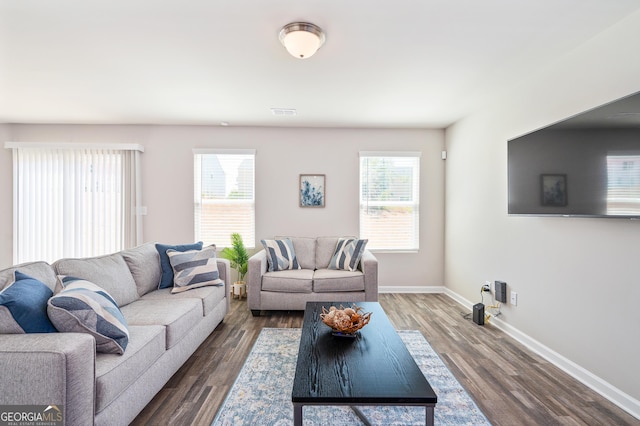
x=224, y=201
x=74, y=201
x=623, y=184
x=389, y=200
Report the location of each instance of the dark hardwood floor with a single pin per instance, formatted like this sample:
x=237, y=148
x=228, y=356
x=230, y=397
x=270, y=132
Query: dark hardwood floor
x=510, y=384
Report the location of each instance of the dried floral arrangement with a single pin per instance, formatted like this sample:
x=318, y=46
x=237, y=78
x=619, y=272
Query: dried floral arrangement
x=345, y=320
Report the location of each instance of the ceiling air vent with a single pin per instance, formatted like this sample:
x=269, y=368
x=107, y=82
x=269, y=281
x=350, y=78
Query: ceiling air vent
x=284, y=112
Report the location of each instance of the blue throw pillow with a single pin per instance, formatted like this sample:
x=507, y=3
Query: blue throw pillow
x=83, y=307
x=280, y=254
x=347, y=254
x=23, y=306
x=166, y=280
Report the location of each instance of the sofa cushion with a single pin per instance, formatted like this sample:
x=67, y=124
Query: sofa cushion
x=347, y=254
x=41, y=271
x=289, y=281
x=23, y=306
x=332, y=280
x=83, y=307
x=281, y=254
x=210, y=297
x=115, y=373
x=144, y=263
x=305, y=249
x=178, y=316
x=166, y=279
x=108, y=272
x=326, y=246
x=194, y=268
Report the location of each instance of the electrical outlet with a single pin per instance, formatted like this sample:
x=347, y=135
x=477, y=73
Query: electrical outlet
x=487, y=286
x=514, y=298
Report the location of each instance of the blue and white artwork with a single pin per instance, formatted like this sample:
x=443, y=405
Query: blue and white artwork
x=312, y=191
x=554, y=190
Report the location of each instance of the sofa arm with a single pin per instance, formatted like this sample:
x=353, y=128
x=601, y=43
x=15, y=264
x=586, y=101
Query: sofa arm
x=369, y=267
x=256, y=268
x=224, y=269
x=50, y=369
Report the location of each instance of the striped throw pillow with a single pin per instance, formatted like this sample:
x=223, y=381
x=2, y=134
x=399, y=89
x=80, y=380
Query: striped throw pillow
x=194, y=268
x=280, y=254
x=83, y=307
x=347, y=254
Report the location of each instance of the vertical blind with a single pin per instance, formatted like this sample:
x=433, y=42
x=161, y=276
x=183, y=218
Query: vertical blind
x=74, y=201
x=224, y=196
x=390, y=200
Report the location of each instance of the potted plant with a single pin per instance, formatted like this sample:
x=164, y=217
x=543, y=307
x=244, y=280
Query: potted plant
x=238, y=258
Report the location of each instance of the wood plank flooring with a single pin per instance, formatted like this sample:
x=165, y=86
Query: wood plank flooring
x=510, y=384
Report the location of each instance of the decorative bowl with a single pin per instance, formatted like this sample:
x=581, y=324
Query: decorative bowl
x=345, y=321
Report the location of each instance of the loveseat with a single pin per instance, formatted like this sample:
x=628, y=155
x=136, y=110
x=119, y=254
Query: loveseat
x=313, y=276
x=89, y=387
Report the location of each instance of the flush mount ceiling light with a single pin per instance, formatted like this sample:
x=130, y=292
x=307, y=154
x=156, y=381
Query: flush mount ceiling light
x=301, y=39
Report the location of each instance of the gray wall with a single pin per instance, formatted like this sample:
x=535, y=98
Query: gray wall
x=281, y=155
x=577, y=279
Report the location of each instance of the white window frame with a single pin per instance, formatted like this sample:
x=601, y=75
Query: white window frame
x=222, y=238
x=378, y=244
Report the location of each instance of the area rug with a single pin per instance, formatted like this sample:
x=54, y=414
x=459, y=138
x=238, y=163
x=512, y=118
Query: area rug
x=261, y=395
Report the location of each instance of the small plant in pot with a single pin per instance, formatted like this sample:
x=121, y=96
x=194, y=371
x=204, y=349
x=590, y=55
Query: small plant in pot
x=238, y=258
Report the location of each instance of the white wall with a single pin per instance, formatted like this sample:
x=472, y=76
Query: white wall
x=578, y=280
x=281, y=155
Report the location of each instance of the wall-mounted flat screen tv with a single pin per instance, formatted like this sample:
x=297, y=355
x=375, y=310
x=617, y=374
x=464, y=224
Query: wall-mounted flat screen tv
x=585, y=166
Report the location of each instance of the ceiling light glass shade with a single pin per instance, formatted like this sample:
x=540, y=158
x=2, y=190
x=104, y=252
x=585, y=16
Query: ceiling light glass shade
x=301, y=39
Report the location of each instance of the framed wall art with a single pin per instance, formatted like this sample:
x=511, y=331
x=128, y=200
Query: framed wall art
x=554, y=190
x=312, y=191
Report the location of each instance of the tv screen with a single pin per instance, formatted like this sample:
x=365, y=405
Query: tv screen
x=586, y=166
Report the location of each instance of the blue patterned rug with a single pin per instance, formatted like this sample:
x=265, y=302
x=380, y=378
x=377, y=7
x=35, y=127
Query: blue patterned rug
x=261, y=394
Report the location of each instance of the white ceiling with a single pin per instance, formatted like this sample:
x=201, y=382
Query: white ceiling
x=401, y=63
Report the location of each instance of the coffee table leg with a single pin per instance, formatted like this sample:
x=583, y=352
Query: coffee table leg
x=429, y=416
x=361, y=415
x=297, y=414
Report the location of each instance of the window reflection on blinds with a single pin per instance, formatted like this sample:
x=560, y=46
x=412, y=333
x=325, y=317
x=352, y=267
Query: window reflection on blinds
x=224, y=199
x=623, y=184
x=74, y=202
x=389, y=200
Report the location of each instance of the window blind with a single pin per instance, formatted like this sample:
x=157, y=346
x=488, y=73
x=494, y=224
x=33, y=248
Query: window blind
x=390, y=200
x=224, y=196
x=623, y=184
x=74, y=201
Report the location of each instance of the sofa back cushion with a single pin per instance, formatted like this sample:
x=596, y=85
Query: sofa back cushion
x=305, y=249
x=144, y=263
x=108, y=272
x=41, y=271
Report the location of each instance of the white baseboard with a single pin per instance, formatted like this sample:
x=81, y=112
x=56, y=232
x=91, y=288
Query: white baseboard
x=412, y=289
x=604, y=388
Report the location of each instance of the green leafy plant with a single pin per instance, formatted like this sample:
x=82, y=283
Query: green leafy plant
x=237, y=255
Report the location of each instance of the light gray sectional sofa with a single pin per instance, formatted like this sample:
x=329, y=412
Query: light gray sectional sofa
x=291, y=289
x=103, y=388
